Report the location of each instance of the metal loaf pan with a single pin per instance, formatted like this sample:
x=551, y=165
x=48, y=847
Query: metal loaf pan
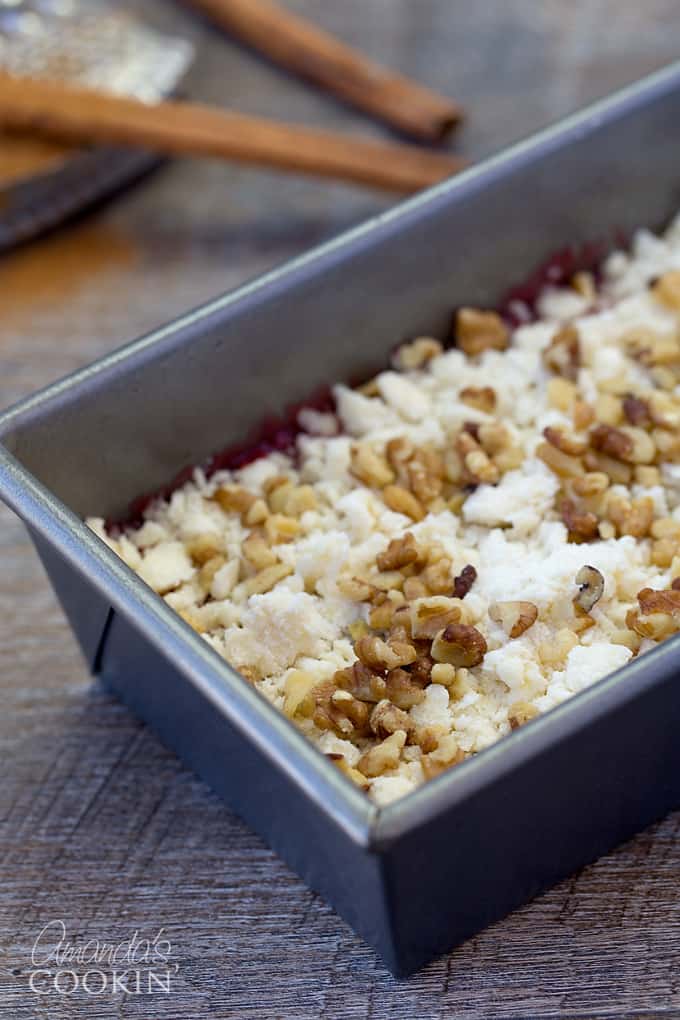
x=419, y=876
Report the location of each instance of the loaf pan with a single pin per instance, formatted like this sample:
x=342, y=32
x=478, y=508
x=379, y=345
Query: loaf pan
x=420, y=875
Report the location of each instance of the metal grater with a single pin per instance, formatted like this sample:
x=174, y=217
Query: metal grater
x=94, y=44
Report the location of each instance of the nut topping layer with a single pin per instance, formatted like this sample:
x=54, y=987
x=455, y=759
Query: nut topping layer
x=472, y=537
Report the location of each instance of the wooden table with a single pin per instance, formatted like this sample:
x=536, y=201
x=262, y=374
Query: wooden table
x=99, y=825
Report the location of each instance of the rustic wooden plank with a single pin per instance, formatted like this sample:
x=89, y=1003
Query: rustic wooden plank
x=99, y=825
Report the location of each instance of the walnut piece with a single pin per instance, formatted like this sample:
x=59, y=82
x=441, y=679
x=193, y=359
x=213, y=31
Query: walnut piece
x=404, y=502
x=667, y=289
x=386, y=719
x=460, y=645
x=416, y=354
x=399, y=553
x=445, y=755
x=572, y=445
x=659, y=614
x=381, y=656
x=514, y=617
x=591, y=588
x=402, y=689
x=636, y=411
x=370, y=467
x=343, y=765
x=563, y=354
x=563, y=464
x=234, y=499
x=520, y=713
x=266, y=579
x=464, y=581
x=299, y=686
x=483, y=398
x=433, y=614
x=478, y=331
x=383, y=756
x=611, y=441
x=582, y=524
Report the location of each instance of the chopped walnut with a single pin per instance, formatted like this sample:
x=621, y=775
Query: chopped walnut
x=437, y=577
x=399, y=553
x=563, y=354
x=616, y=470
x=342, y=764
x=483, y=398
x=234, y=499
x=425, y=484
x=257, y=550
x=430, y=615
x=382, y=656
x=631, y=517
x=562, y=464
x=416, y=354
x=404, y=502
x=383, y=756
x=584, y=284
x=636, y=411
x=339, y=711
x=257, y=514
x=361, y=682
x=582, y=524
x=520, y=713
x=464, y=581
x=402, y=689
x=414, y=588
x=370, y=467
x=386, y=719
x=665, y=601
x=204, y=547
x=572, y=445
x=478, y=466
x=421, y=670
x=399, y=452
x=612, y=441
x=583, y=415
x=478, y=331
x=280, y=528
x=627, y=443
x=209, y=569
x=445, y=755
x=299, y=686
x=300, y=499
x=667, y=289
x=590, y=486
x=591, y=588
x=514, y=617
x=266, y=579
x=460, y=645
x=356, y=589
x=493, y=437
x=443, y=673
x=562, y=393
x=658, y=616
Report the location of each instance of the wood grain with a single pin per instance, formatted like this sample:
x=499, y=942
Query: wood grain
x=99, y=825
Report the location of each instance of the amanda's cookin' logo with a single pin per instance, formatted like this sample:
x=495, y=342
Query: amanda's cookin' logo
x=133, y=966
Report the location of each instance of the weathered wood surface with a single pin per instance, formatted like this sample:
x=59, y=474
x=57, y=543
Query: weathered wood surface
x=99, y=825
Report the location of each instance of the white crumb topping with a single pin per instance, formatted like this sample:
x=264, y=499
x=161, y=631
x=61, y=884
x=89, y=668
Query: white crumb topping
x=521, y=490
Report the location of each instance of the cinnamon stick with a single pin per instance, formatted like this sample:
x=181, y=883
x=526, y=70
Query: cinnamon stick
x=78, y=115
x=301, y=47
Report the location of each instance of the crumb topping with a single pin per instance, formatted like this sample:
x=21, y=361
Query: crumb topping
x=472, y=537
